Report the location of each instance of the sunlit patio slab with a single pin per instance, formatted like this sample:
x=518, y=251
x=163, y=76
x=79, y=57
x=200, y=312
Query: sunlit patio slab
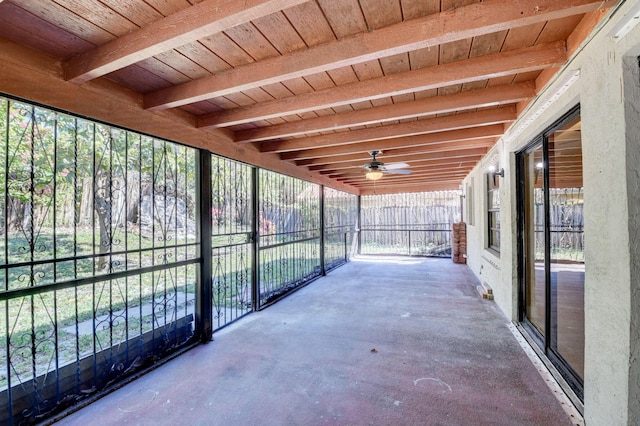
x=381, y=340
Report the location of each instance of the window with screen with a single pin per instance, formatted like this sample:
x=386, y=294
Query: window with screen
x=493, y=211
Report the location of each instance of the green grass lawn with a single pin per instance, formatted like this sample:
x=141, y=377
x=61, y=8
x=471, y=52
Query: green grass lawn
x=73, y=323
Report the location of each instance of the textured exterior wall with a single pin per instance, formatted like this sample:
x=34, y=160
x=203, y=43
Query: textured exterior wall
x=496, y=269
x=607, y=282
x=632, y=128
x=608, y=91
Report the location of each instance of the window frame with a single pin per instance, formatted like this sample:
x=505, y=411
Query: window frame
x=493, y=211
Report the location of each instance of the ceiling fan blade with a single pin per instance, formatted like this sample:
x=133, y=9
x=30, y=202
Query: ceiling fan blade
x=392, y=166
x=398, y=172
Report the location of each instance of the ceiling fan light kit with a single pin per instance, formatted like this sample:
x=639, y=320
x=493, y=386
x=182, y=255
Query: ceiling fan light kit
x=376, y=169
x=374, y=175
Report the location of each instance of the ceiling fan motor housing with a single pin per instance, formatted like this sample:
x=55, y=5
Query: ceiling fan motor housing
x=375, y=165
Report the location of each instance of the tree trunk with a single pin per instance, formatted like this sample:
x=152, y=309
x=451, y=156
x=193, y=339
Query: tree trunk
x=86, y=202
x=133, y=199
x=103, y=208
x=103, y=211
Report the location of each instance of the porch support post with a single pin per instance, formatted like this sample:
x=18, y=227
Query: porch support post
x=204, y=314
x=255, y=239
x=359, y=223
x=323, y=268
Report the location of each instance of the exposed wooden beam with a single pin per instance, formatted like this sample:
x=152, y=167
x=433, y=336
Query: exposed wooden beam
x=356, y=173
x=183, y=27
x=464, y=166
x=450, y=157
x=312, y=162
x=476, y=136
x=436, y=150
x=361, y=178
x=454, y=150
x=584, y=28
x=468, y=120
x=574, y=41
x=442, y=141
x=29, y=74
x=403, y=179
x=414, y=167
x=458, y=24
x=426, y=180
x=469, y=163
x=464, y=71
x=479, y=98
x=419, y=146
x=423, y=182
x=461, y=155
x=382, y=188
x=362, y=157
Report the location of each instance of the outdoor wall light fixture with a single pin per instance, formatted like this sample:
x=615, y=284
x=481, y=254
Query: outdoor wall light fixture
x=494, y=173
x=374, y=175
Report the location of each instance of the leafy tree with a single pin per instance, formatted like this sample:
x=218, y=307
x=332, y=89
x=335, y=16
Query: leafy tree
x=58, y=171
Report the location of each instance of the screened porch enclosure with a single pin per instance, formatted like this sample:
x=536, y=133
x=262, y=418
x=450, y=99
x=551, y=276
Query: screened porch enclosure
x=99, y=256
x=104, y=267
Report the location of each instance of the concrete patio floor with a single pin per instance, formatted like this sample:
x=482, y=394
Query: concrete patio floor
x=380, y=341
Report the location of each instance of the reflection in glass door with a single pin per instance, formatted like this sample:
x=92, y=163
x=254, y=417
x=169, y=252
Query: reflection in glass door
x=566, y=244
x=534, y=219
x=551, y=255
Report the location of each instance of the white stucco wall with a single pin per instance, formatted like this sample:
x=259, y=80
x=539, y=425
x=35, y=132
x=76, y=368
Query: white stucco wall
x=490, y=267
x=611, y=164
x=632, y=125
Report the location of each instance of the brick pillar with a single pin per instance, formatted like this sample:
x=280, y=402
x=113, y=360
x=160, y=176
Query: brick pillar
x=459, y=243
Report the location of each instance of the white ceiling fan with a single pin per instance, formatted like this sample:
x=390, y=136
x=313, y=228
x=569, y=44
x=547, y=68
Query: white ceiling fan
x=376, y=169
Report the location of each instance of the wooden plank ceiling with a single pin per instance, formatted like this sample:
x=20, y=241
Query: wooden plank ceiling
x=433, y=83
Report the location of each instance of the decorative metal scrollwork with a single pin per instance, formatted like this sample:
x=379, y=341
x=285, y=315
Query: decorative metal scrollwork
x=81, y=208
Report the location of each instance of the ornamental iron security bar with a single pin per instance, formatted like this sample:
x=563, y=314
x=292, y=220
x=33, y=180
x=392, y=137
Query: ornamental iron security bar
x=98, y=256
x=103, y=270
x=414, y=224
x=289, y=234
x=231, y=240
x=340, y=219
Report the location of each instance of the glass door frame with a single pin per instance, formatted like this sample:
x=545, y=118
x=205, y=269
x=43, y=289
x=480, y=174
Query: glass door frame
x=542, y=341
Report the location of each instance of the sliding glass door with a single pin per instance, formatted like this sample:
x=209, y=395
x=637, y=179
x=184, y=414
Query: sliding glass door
x=535, y=294
x=551, y=253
